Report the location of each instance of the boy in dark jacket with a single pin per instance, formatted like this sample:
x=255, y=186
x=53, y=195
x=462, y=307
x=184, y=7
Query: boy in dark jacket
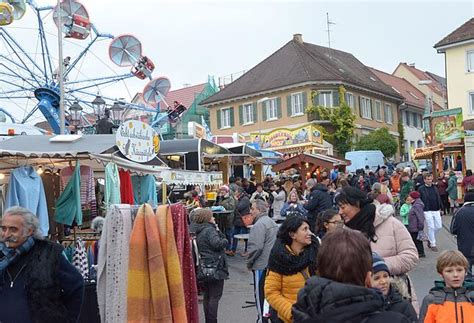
x=393, y=300
x=463, y=228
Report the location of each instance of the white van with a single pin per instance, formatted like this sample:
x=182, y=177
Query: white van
x=7, y=130
x=360, y=158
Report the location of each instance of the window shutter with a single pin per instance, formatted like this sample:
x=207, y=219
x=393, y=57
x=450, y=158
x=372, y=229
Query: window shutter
x=241, y=114
x=255, y=113
x=372, y=109
x=219, y=119
x=335, y=98
x=360, y=106
x=278, y=103
x=305, y=100
x=232, y=123
x=288, y=105
x=264, y=112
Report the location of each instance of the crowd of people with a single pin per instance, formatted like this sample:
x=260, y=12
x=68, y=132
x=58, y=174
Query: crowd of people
x=339, y=247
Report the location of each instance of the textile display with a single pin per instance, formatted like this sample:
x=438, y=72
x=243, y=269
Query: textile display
x=144, y=190
x=51, y=183
x=148, y=297
x=112, y=264
x=126, y=188
x=68, y=205
x=172, y=265
x=112, y=185
x=79, y=258
x=184, y=247
x=88, y=199
x=26, y=189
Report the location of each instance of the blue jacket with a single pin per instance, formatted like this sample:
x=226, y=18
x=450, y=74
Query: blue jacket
x=463, y=228
x=289, y=208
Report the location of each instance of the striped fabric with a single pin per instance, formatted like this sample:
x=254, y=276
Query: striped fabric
x=88, y=200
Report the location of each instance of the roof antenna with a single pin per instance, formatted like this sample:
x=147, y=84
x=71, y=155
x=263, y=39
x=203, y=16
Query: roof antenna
x=329, y=23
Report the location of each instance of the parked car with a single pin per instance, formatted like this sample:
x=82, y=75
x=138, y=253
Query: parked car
x=361, y=158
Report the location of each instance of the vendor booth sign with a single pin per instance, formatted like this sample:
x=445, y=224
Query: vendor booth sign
x=448, y=125
x=137, y=141
x=284, y=137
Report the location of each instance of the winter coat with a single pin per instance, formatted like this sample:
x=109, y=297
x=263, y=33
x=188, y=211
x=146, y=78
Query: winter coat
x=319, y=200
x=430, y=197
x=285, y=278
x=278, y=202
x=363, y=221
x=242, y=208
x=324, y=300
x=416, y=216
x=229, y=204
x=444, y=304
x=211, y=245
x=293, y=208
x=262, y=237
x=468, y=182
x=452, y=187
x=463, y=228
x=395, y=183
x=407, y=187
x=442, y=186
x=394, y=242
x=394, y=302
x=262, y=196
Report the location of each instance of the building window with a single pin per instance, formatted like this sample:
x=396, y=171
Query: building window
x=366, y=107
x=378, y=110
x=225, y=118
x=470, y=61
x=271, y=107
x=247, y=113
x=419, y=144
x=297, y=104
x=471, y=102
x=349, y=97
x=415, y=120
x=388, y=113
x=325, y=98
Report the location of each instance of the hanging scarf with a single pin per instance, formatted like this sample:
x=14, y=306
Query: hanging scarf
x=364, y=221
x=284, y=262
x=9, y=255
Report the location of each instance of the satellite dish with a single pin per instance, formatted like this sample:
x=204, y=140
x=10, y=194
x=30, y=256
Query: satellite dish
x=156, y=90
x=67, y=10
x=125, y=50
x=18, y=8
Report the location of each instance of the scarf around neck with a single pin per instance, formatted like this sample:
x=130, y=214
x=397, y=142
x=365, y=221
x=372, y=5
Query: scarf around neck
x=10, y=255
x=284, y=262
x=364, y=221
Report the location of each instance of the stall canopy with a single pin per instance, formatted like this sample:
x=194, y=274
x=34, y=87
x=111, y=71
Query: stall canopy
x=310, y=162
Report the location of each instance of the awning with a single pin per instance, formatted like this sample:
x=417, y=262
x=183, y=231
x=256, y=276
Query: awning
x=236, y=159
x=184, y=146
x=323, y=161
x=184, y=177
x=427, y=152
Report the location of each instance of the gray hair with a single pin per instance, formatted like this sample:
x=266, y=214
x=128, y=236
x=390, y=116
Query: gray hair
x=377, y=188
x=29, y=219
x=261, y=206
x=310, y=182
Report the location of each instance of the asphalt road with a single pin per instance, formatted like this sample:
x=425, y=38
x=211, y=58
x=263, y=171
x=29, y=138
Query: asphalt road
x=238, y=289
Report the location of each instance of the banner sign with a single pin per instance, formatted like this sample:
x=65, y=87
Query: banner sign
x=448, y=125
x=192, y=177
x=137, y=141
x=284, y=137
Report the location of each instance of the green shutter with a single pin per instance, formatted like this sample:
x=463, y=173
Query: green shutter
x=305, y=101
x=241, y=114
x=335, y=98
x=288, y=105
x=255, y=113
x=219, y=119
x=278, y=103
x=232, y=123
x=264, y=111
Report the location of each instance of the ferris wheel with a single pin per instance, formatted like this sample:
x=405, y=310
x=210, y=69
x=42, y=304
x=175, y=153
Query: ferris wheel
x=95, y=64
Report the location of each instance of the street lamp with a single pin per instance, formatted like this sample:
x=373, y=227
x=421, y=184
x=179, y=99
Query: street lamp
x=99, y=106
x=117, y=110
x=75, y=110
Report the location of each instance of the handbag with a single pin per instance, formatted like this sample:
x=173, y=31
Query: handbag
x=247, y=219
x=206, y=271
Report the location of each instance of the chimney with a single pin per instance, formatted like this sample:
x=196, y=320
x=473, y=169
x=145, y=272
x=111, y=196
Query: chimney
x=411, y=64
x=298, y=38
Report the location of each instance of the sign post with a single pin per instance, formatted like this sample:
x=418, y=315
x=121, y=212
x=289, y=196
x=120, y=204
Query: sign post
x=137, y=141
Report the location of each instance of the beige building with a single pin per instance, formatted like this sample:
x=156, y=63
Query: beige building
x=458, y=48
x=269, y=101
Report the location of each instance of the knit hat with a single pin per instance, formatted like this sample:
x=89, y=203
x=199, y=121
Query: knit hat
x=414, y=195
x=224, y=188
x=378, y=264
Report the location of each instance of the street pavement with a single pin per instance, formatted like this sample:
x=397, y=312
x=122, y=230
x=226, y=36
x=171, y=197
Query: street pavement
x=238, y=289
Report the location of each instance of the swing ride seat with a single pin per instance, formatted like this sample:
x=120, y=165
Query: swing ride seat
x=80, y=28
x=175, y=114
x=143, y=68
x=6, y=14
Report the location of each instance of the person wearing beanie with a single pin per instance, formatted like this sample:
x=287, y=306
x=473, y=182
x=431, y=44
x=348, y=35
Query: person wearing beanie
x=393, y=300
x=416, y=221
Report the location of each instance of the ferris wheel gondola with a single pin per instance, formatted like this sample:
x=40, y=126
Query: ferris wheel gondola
x=6, y=14
x=156, y=90
x=125, y=50
x=18, y=8
x=74, y=18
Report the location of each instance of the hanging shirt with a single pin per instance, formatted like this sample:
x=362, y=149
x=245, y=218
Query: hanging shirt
x=26, y=189
x=144, y=190
x=51, y=185
x=126, y=188
x=112, y=185
x=88, y=199
x=79, y=258
x=68, y=205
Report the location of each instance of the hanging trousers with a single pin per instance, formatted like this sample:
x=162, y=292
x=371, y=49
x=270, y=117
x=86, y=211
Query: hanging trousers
x=212, y=295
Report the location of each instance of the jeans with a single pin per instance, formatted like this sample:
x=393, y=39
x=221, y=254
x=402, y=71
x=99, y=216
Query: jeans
x=228, y=234
x=418, y=243
x=212, y=295
x=258, y=291
x=433, y=222
x=239, y=230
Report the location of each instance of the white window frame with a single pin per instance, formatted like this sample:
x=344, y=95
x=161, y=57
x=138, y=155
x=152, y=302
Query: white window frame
x=297, y=108
x=271, y=106
x=389, y=116
x=470, y=61
x=470, y=98
x=225, y=118
x=350, y=100
x=247, y=113
x=415, y=120
x=323, y=102
x=366, y=111
x=378, y=110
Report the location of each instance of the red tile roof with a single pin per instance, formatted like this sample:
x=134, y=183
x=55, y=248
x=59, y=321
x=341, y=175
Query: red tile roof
x=435, y=86
x=412, y=95
x=463, y=33
x=185, y=96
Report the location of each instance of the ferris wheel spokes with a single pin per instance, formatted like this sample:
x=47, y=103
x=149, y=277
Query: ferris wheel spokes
x=44, y=46
x=116, y=79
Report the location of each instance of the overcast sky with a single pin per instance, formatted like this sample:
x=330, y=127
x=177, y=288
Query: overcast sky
x=189, y=40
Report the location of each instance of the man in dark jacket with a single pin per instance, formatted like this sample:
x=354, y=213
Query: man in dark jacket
x=37, y=283
x=319, y=200
x=463, y=228
x=432, y=200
